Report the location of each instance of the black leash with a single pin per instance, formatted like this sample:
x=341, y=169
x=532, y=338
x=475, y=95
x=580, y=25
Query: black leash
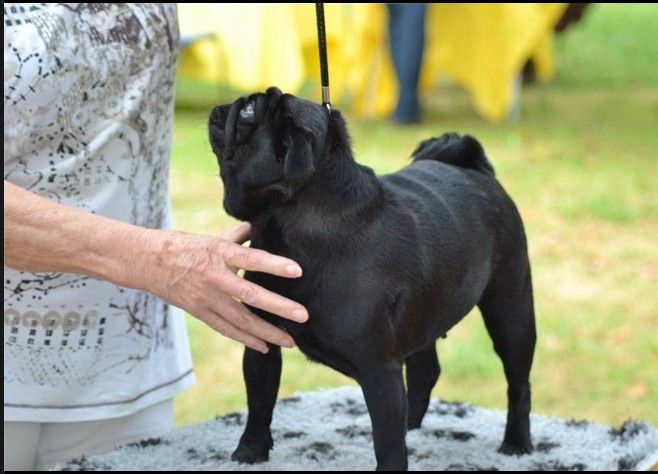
x=322, y=45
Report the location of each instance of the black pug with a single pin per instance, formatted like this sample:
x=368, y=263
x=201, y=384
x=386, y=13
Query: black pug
x=390, y=264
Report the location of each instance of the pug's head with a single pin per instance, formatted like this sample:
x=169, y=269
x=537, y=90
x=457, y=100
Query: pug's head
x=267, y=146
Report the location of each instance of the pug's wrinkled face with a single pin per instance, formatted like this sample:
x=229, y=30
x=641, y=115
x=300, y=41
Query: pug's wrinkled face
x=267, y=145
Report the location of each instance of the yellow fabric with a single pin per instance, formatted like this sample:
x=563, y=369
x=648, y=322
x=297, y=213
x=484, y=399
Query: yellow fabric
x=483, y=47
x=255, y=45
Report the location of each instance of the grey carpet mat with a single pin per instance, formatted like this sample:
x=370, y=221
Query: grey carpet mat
x=330, y=430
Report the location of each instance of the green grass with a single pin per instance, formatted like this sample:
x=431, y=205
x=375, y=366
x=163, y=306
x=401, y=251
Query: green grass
x=581, y=165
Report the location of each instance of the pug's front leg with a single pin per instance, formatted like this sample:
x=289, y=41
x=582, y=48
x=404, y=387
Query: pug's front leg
x=383, y=390
x=262, y=373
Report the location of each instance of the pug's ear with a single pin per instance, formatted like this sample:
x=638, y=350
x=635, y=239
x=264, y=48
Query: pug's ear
x=306, y=127
x=298, y=164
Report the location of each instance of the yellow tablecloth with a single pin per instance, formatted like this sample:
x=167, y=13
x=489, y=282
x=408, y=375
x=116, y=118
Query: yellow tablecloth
x=483, y=47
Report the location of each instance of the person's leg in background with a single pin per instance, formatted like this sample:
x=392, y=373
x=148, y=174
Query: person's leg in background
x=61, y=442
x=42, y=446
x=407, y=40
x=21, y=441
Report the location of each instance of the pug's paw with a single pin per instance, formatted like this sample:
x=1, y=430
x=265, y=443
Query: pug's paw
x=515, y=450
x=252, y=452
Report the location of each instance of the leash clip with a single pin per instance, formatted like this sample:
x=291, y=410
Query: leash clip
x=325, y=98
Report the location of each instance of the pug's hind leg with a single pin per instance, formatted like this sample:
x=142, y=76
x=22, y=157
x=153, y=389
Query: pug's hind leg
x=507, y=309
x=262, y=373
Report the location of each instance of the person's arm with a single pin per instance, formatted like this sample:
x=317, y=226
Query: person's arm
x=193, y=272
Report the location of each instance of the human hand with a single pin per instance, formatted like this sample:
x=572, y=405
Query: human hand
x=194, y=272
x=198, y=273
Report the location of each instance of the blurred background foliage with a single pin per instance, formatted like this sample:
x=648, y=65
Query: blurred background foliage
x=580, y=162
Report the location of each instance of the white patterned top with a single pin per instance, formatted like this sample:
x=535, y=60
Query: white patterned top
x=88, y=121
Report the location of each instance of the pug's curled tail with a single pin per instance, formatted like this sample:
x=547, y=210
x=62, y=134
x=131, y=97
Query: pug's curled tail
x=450, y=148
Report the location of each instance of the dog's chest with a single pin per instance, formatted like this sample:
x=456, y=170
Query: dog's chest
x=319, y=348
x=336, y=317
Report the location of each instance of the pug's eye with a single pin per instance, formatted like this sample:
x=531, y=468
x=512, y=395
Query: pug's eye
x=247, y=112
x=246, y=123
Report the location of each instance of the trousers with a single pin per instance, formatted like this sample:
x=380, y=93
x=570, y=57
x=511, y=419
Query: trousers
x=42, y=446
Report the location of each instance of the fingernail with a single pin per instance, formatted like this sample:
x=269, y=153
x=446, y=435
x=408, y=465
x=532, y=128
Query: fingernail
x=300, y=315
x=265, y=349
x=294, y=270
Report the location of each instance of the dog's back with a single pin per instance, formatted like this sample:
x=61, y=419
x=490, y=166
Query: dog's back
x=466, y=222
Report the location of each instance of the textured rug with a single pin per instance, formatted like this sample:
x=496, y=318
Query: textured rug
x=330, y=430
